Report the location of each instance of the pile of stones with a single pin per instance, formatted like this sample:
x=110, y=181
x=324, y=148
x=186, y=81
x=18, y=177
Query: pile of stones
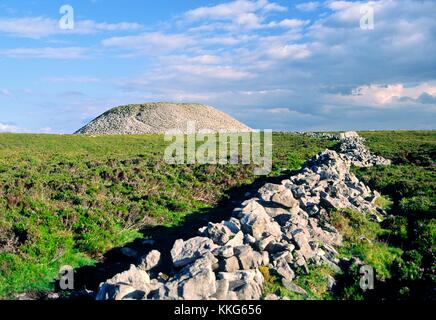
x=354, y=152
x=352, y=148
x=282, y=229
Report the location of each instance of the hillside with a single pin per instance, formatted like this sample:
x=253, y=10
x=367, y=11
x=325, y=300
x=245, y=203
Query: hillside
x=70, y=199
x=160, y=118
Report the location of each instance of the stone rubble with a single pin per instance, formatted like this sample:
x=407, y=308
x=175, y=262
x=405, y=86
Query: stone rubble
x=352, y=148
x=354, y=152
x=282, y=228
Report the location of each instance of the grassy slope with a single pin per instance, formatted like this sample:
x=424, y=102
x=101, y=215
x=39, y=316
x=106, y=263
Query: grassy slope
x=68, y=199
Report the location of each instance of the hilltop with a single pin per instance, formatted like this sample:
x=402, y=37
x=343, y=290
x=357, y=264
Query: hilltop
x=160, y=117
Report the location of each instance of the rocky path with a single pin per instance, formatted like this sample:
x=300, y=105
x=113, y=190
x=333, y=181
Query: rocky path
x=281, y=227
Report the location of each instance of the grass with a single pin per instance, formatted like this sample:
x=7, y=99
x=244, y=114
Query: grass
x=68, y=199
x=401, y=249
x=362, y=239
x=315, y=283
x=410, y=185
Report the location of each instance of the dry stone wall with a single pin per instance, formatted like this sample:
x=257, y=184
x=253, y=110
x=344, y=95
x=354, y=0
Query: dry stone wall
x=282, y=227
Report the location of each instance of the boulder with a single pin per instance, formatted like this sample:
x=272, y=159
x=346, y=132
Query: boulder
x=229, y=264
x=302, y=244
x=150, y=261
x=219, y=233
x=248, y=258
x=258, y=223
x=222, y=289
x=268, y=190
x=286, y=199
x=124, y=283
x=224, y=252
x=194, y=282
x=281, y=267
x=185, y=252
x=119, y=291
x=236, y=240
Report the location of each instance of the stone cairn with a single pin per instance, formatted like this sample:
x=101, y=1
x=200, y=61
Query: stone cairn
x=281, y=228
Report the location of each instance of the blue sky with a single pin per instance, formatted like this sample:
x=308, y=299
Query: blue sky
x=282, y=65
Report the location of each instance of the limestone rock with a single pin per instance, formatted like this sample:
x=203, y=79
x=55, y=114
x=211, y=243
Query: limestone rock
x=185, y=252
x=151, y=260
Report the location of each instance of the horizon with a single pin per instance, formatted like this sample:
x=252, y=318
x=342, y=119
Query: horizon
x=291, y=66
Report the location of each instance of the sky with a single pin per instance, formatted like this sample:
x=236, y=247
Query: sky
x=281, y=65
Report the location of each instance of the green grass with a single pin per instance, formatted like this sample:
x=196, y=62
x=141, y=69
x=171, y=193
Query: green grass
x=401, y=249
x=362, y=239
x=315, y=284
x=403, y=147
x=410, y=184
x=68, y=199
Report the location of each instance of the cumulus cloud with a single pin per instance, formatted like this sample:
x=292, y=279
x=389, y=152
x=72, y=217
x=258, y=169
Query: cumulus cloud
x=257, y=55
x=241, y=14
x=304, y=61
x=390, y=95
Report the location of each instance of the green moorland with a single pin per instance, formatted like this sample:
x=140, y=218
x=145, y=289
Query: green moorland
x=402, y=248
x=68, y=199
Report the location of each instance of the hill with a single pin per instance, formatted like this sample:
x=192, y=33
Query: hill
x=159, y=118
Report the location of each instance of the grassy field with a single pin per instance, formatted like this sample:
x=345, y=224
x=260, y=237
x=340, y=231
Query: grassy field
x=410, y=185
x=68, y=199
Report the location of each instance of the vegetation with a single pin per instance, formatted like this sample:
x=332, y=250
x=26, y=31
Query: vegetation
x=402, y=248
x=68, y=199
x=410, y=185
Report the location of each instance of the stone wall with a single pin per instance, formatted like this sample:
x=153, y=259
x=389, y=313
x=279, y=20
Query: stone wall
x=282, y=227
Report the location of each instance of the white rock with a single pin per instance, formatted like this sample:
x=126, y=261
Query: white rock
x=185, y=252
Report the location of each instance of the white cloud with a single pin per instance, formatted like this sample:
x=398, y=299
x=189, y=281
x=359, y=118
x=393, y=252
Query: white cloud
x=6, y=92
x=391, y=95
x=308, y=6
x=32, y=27
x=240, y=13
x=278, y=110
x=250, y=54
x=215, y=72
x=233, y=10
x=90, y=26
x=4, y=127
x=152, y=42
x=72, y=79
x=289, y=23
x=40, y=27
x=46, y=52
x=206, y=59
x=289, y=51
